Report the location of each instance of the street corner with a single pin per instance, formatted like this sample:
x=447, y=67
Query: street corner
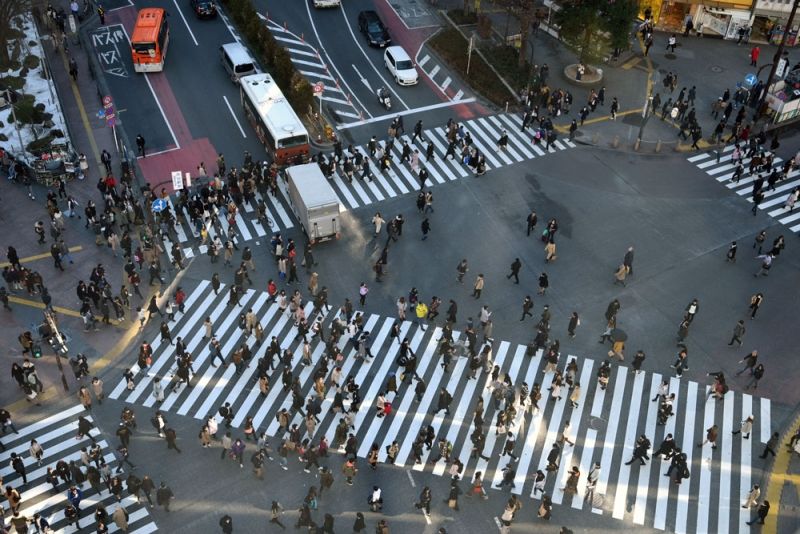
x=447, y=83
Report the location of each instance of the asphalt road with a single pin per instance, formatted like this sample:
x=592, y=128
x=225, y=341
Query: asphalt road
x=358, y=66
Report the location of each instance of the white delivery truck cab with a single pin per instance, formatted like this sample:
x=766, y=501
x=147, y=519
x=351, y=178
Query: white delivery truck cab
x=314, y=202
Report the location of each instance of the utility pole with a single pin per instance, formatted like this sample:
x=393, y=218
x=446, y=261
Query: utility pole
x=16, y=124
x=776, y=59
x=58, y=343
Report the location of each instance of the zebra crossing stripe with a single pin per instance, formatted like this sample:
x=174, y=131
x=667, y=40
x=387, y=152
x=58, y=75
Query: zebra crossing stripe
x=643, y=485
x=514, y=136
x=706, y=455
x=422, y=408
x=586, y=465
x=44, y=423
x=161, y=357
x=682, y=508
x=612, y=428
x=745, y=470
x=227, y=348
x=376, y=386
x=621, y=490
x=574, y=425
x=488, y=138
x=766, y=431
x=438, y=417
x=492, y=437
x=662, y=495
x=402, y=409
x=440, y=142
x=726, y=446
x=51, y=450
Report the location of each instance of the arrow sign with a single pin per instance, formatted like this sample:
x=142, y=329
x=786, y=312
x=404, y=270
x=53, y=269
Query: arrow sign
x=750, y=79
x=363, y=80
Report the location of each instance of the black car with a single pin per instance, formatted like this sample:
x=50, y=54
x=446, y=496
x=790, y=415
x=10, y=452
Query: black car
x=373, y=29
x=204, y=9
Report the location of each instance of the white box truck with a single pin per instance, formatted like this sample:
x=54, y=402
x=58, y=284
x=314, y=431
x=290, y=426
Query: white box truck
x=314, y=202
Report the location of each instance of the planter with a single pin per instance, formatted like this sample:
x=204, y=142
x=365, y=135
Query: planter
x=591, y=75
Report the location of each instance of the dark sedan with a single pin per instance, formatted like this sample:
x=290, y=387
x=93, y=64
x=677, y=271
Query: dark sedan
x=373, y=29
x=204, y=9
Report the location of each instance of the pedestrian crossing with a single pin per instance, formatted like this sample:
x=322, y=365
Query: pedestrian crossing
x=400, y=178
x=247, y=225
x=774, y=203
x=57, y=435
x=604, y=425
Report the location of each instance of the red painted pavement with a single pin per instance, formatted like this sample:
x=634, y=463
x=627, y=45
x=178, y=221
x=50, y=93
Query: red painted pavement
x=157, y=169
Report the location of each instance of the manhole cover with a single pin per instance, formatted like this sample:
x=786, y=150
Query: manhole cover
x=715, y=68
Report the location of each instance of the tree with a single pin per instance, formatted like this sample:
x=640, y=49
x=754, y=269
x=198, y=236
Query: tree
x=9, y=11
x=593, y=27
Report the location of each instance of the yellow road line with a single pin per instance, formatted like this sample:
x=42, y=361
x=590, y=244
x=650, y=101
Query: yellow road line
x=84, y=118
x=40, y=256
x=63, y=311
x=777, y=478
x=565, y=129
x=632, y=62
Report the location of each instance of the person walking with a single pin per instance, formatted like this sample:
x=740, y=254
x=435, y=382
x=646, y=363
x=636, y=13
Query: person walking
x=746, y=428
x=750, y=360
x=477, y=288
x=516, y=265
x=140, y=145
x=574, y=322
x=755, y=303
x=761, y=513
x=591, y=482
x=531, y=222
x=738, y=333
x=627, y=261
x=711, y=437
x=163, y=496
x=544, y=283
x=527, y=306
x=772, y=443
x=758, y=373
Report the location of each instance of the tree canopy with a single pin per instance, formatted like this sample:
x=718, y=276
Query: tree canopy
x=595, y=27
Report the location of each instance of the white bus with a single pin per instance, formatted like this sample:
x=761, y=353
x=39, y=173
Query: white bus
x=275, y=122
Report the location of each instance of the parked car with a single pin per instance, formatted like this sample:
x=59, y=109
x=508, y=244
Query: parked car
x=400, y=66
x=204, y=9
x=373, y=29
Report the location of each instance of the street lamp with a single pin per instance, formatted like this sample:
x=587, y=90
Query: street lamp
x=58, y=343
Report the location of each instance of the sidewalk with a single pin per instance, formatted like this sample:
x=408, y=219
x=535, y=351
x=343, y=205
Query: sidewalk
x=712, y=65
x=80, y=101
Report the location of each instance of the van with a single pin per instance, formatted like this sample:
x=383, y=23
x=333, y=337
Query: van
x=399, y=64
x=237, y=61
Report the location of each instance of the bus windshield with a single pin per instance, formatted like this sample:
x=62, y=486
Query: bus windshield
x=288, y=142
x=143, y=48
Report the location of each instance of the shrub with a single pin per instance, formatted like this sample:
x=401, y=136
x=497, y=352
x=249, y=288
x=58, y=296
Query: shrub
x=30, y=62
x=28, y=112
x=15, y=83
x=283, y=68
x=39, y=145
x=3, y=137
x=301, y=95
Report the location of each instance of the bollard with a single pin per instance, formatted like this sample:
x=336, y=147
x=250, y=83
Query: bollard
x=615, y=142
x=658, y=146
x=506, y=106
x=637, y=144
x=302, y=37
x=285, y=26
x=266, y=14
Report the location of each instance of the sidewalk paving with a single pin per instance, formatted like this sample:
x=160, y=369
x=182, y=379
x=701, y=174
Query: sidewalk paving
x=712, y=65
x=80, y=101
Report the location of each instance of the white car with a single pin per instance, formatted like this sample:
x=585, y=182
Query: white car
x=399, y=64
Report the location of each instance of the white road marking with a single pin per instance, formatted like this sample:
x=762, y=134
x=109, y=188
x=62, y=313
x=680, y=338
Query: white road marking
x=234, y=116
x=423, y=60
x=411, y=479
x=185, y=22
x=406, y=112
x=446, y=83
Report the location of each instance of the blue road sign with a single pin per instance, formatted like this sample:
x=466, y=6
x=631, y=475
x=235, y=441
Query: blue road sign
x=750, y=79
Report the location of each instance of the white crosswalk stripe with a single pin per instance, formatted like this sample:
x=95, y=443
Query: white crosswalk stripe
x=401, y=179
x=57, y=436
x=775, y=197
x=604, y=425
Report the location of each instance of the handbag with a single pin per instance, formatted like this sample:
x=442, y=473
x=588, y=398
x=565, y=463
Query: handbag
x=452, y=503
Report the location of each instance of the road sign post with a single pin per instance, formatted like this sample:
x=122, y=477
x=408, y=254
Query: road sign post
x=319, y=87
x=177, y=180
